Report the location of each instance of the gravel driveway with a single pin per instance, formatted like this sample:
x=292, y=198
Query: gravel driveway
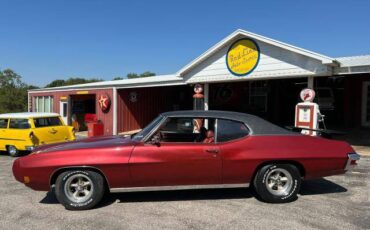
x=338, y=202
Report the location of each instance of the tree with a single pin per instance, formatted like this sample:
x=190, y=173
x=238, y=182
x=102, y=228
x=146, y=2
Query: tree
x=71, y=81
x=56, y=83
x=117, y=78
x=13, y=92
x=145, y=74
x=132, y=75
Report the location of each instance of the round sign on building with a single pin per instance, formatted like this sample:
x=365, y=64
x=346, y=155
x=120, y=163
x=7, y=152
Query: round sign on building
x=243, y=57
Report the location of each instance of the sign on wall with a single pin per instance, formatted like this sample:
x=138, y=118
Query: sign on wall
x=243, y=57
x=104, y=102
x=133, y=97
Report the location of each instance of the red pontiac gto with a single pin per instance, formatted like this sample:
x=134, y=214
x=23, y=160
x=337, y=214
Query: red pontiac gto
x=182, y=150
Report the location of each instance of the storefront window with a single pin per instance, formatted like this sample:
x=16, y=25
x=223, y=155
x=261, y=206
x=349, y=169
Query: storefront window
x=43, y=104
x=258, y=96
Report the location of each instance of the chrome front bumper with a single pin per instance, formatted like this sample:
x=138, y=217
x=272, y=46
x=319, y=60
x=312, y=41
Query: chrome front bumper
x=351, y=161
x=29, y=148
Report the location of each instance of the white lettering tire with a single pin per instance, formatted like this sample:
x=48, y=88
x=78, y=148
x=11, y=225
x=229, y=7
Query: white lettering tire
x=277, y=183
x=79, y=189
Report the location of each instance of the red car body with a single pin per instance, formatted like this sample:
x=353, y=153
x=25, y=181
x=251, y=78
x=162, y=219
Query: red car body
x=126, y=163
x=182, y=150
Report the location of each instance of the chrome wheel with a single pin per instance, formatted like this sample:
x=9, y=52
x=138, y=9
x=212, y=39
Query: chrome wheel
x=78, y=188
x=13, y=151
x=279, y=182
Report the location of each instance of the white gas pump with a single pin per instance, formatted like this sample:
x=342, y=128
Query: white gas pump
x=307, y=113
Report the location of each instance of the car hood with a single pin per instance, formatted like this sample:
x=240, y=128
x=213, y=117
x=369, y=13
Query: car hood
x=95, y=142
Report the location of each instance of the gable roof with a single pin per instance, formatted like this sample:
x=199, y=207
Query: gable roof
x=324, y=59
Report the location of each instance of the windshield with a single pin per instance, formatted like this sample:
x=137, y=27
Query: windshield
x=147, y=129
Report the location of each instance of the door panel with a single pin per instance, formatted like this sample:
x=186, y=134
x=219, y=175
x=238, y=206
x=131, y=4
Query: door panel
x=50, y=135
x=238, y=163
x=49, y=130
x=42, y=135
x=63, y=110
x=366, y=104
x=59, y=132
x=175, y=164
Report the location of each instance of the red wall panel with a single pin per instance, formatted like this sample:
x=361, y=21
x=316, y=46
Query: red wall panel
x=150, y=102
x=134, y=115
x=106, y=118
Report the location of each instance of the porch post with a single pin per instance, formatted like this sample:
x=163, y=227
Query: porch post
x=310, y=81
x=115, y=111
x=206, y=96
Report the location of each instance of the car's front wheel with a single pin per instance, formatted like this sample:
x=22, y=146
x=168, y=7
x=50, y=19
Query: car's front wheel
x=79, y=189
x=277, y=183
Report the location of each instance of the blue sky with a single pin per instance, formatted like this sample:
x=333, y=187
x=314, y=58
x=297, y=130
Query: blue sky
x=47, y=40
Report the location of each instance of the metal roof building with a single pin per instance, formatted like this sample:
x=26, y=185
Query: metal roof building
x=244, y=72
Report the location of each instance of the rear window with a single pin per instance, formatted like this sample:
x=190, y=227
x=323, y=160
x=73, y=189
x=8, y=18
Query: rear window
x=228, y=130
x=19, y=124
x=46, y=122
x=3, y=123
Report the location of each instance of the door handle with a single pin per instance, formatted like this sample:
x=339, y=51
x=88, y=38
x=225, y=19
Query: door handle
x=212, y=151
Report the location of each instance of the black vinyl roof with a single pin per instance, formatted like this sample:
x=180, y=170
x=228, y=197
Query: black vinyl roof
x=257, y=125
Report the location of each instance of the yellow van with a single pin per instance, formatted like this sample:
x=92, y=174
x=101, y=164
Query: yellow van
x=25, y=131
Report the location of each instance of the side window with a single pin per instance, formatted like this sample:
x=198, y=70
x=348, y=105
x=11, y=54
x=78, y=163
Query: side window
x=187, y=129
x=19, y=124
x=3, y=123
x=228, y=130
x=46, y=122
x=179, y=125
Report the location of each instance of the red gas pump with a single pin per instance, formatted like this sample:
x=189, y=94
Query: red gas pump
x=307, y=113
x=94, y=126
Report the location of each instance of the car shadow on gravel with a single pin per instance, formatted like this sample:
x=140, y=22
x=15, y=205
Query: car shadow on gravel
x=160, y=196
x=311, y=187
x=49, y=199
x=21, y=154
x=320, y=186
x=177, y=195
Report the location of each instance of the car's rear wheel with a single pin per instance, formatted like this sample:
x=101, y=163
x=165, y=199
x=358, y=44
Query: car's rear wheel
x=12, y=151
x=79, y=189
x=277, y=183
